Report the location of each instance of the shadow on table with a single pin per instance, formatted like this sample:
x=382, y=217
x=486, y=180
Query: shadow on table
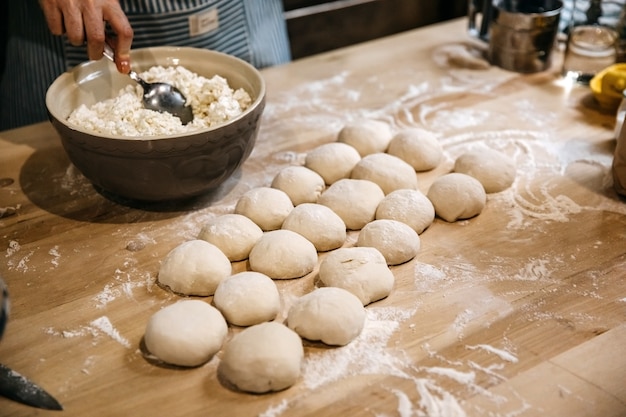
x=52, y=182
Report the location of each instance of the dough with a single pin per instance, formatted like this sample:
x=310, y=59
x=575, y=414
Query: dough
x=457, y=196
x=397, y=241
x=187, y=333
x=361, y=270
x=262, y=358
x=195, y=267
x=367, y=136
x=495, y=170
x=267, y=207
x=417, y=147
x=247, y=298
x=283, y=254
x=319, y=224
x=234, y=234
x=332, y=161
x=408, y=206
x=330, y=314
x=355, y=201
x=301, y=184
x=389, y=172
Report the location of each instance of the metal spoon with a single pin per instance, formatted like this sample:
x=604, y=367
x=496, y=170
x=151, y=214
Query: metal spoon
x=161, y=97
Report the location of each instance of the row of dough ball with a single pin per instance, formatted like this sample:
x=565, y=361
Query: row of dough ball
x=266, y=355
x=280, y=229
x=367, y=150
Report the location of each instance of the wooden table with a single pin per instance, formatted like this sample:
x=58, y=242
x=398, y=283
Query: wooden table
x=519, y=311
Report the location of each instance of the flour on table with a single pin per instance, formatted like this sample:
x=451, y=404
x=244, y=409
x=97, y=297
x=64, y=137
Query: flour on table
x=18, y=261
x=96, y=328
x=501, y=353
x=366, y=355
x=54, y=252
x=276, y=410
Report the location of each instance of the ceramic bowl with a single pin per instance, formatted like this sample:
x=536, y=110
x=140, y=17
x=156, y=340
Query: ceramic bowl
x=156, y=168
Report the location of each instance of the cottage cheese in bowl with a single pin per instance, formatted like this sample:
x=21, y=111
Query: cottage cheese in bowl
x=212, y=99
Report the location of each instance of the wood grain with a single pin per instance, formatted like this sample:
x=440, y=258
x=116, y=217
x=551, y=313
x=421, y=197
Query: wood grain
x=518, y=311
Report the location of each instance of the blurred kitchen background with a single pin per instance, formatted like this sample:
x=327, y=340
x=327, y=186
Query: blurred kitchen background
x=316, y=26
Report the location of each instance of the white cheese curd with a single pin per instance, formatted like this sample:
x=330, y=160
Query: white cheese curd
x=213, y=102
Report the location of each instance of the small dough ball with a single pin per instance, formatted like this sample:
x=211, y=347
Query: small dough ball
x=262, y=358
x=283, y=254
x=187, y=333
x=319, y=224
x=301, y=184
x=367, y=136
x=332, y=161
x=397, y=241
x=389, y=172
x=411, y=207
x=495, y=170
x=332, y=315
x=457, y=196
x=247, y=298
x=267, y=207
x=361, y=270
x=234, y=234
x=418, y=147
x=355, y=201
x=195, y=267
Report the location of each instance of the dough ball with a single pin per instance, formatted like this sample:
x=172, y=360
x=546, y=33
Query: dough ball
x=495, y=170
x=457, y=196
x=247, y=298
x=267, y=207
x=262, y=358
x=283, y=254
x=330, y=314
x=234, y=234
x=361, y=270
x=417, y=147
x=318, y=224
x=332, y=161
x=301, y=184
x=389, y=172
x=195, y=267
x=411, y=207
x=355, y=201
x=187, y=333
x=367, y=136
x=397, y=241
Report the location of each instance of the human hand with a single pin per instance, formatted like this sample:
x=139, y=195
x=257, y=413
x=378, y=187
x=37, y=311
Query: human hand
x=84, y=21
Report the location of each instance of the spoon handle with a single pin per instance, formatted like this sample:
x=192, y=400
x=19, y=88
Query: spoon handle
x=109, y=52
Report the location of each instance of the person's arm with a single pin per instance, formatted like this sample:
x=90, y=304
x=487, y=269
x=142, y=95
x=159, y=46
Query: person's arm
x=84, y=21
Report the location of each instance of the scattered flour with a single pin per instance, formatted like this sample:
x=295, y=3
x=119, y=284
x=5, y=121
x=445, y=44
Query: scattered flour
x=54, y=252
x=95, y=328
x=503, y=354
x=276, y=410
x=366, y=355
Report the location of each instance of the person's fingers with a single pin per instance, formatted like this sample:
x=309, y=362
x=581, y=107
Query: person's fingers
x=95, y=39
x=124, y=38
x=54, y=17
x=74, y=27
x=84, y=21
x=92, y=17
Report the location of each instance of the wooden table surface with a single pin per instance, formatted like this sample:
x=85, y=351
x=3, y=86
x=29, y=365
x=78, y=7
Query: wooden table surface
x=519, y=311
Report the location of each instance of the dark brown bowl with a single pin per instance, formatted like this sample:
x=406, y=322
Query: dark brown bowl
x=158, y=168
